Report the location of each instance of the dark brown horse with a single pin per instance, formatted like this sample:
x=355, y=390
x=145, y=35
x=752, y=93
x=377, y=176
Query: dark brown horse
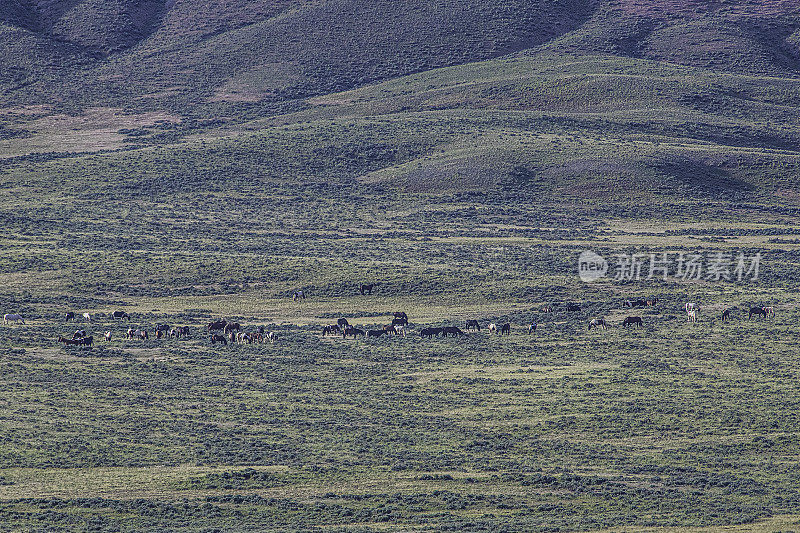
x=505, y=329
x=366, y=288
x=760, y=311
x=330, y=330
x=472, y=324
x=218, y=324
x=633, y=321
x=218, y=338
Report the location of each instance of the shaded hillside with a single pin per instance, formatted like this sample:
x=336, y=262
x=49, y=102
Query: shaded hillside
x=230, y=54
x=250, y=51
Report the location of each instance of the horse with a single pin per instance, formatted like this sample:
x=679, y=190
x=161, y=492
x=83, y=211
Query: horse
x=472, y=325
x=726, y=315
x=143, y=335
x=119, y=315
x=159, y=334
x=598, y=323
x=182, y=331
x=691, y=316
x=389, y=329
x=761, y=311
x=73, y=342
x=531, y=328
x=376, y=332
x=218, y=324
x=430, y=332
x=399, y=321
x=271, y=337
x=452, y=331
x=218, y=338
x=573, y=307
x=354, y=332
x=87, y=316
x=547, y=309
x=330, y=330
x=85, y=341
x=400, y=330
x=770, y=311
x=298, y=295
x=366, y=288
x=691, y=306
x=505, y=329
x=232, y=326
x=79, y=334
x=343, y=323
x=69, y=316
x=401, y=315
x=633, y=321
x=107, y=336
x=492, y=328
x=651, y=302
x=12, y=317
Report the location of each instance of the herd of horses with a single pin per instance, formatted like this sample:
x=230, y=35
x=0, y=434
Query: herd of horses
x=222, y=332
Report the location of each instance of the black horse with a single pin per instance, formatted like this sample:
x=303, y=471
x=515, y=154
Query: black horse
x=430, y=332
x=401, y=315
x=399, y=321
x=343, y=323
x=163, y=328
x=366, y=288
x=119, y=315
x=639, y=302
x=452, y=331
x=69, y=316
x=219, y=338
x=726, y=315
x=472, y=324
x=758, y=311
x=633, y=321
x=505, y=329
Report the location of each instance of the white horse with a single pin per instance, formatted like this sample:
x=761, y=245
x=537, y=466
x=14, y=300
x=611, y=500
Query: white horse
x=691, y=306
x=107, y=336
x=400, y=330
x=492, y=328
x=12, y=317
x=770, y=311
x=87, y=316
x=598, y=323
x=271, y=336
x=691, y=316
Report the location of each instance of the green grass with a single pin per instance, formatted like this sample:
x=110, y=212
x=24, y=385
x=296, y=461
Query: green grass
x=463, y=193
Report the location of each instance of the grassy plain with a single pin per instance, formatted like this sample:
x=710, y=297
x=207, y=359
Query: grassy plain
x=459, y=201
